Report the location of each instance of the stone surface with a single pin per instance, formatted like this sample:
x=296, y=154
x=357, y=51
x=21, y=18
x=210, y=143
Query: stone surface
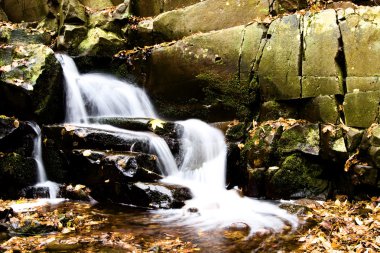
x=320, y=72
x=30, y=83
x=206, y=16
x=100, y=43
x=361, y=108
x=297, y=178
x=320, y=109
x=149, y=8
x=97, y=4
x=278, y=72
x=199, y=73
x=302, y=138
x=18, y=11
x=71, y=37
x=360, y=28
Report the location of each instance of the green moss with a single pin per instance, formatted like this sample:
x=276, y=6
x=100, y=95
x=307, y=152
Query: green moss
x=234, y=96
x=298, y=177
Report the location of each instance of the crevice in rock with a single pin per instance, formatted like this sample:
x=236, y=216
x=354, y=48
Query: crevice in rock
x=340, y=59
x=339, y=99
x=341, y=65
x=271, y=7
x=301, y=54
x=257, y=59
x=241, y=51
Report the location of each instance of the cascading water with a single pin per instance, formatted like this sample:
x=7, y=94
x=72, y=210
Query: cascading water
x=101, y=95
x=203, y=149
x=41, y=173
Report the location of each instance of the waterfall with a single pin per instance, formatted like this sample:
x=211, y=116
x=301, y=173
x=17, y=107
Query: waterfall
x=41, y=172
x=101, y=95
x=203, y=148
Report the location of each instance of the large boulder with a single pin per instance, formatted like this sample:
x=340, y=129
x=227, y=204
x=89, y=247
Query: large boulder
x=20, y=11
x=97, y=4
x=197, y=77
x=207, y=16
x=30, y=83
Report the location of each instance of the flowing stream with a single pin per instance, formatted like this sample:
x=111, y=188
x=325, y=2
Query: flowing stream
x=41, y=173
x=203, y=149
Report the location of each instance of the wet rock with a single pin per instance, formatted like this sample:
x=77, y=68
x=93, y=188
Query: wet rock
x=67, y=137
x=255, y=186
x=300, y=138
x=149, y=8
x=73, y=12
x=235, y=131
x=320, y=75
x=297, y=178
x=101, y=43
x=236, y=174
x=16, y=136
x=283, y=6
x=16, y=172
x=279, y=67
x=35, y=192
x=205, y=17
x=30, y=84
x=273, y=110
x=77, y=192
x=91, y=167
x=19, y=35
x=5, y=214
x=17, y=11
x=158, y=195
x=365, y=175
x=295, y=208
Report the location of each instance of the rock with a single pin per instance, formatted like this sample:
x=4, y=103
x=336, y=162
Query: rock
x=255, y=186
x=30, y=84
x=297, y=178
x=158, y=195
x=300, y=138
x=235, y=131
x=320, y=109
x=3, y=15
x=77, y=192
x=236, y=174
x=262, y=144
x=101, y=43
x=20, y=35
x=5, y=214
x=71, y=37
x=359, y=27
x=206, y=16
x=333, y=146
x=273, y=110
x=16, y=136
x=284, y=6
x=366, y=175
x=353, y=138
x=149, y=8
x=97, y=4
x=321, y=75
x=35, y=192
x=16, y=172
x=17, y=11
x=295, y=209
x=361, y=108
x=203, y=79
x=73, y=12
x=278, y=72
x=67, y=137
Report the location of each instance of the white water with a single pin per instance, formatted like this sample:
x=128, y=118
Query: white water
x=203, y=149
x=41, y=173
x=101, y=95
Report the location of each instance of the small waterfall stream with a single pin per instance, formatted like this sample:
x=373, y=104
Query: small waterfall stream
x=203, y=148
x=41, y=173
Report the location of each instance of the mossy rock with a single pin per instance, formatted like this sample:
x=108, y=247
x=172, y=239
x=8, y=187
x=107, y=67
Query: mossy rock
x=298, y=178
x=16, y=172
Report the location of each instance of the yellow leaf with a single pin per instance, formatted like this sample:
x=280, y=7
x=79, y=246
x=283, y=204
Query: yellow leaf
x=16, y=123
x=87, y=152
x=157, y=123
